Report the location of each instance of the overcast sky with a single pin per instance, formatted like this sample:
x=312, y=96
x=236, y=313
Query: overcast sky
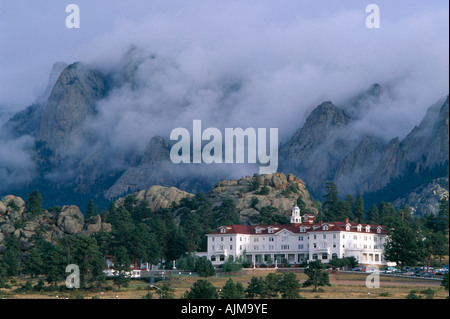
x=292, y=54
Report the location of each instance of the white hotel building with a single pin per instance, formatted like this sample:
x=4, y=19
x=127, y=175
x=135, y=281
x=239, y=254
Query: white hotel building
x=299, y=241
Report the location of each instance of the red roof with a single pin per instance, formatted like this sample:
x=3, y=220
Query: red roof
x=295, y=228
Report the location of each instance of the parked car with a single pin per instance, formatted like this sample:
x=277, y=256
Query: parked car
x=391, y=270
x=441, y=271
x=428, y=275
x=358, y=269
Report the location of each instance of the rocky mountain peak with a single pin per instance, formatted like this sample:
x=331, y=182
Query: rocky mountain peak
x=71, y=101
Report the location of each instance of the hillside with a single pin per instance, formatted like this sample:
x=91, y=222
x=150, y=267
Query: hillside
x=53, y=224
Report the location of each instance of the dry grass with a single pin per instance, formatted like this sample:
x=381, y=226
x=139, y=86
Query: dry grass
x=344, y=286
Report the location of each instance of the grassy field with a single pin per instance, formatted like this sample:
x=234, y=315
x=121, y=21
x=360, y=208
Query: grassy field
x=343, y=286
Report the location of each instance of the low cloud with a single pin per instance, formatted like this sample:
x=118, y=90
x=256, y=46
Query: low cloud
x=234, y=64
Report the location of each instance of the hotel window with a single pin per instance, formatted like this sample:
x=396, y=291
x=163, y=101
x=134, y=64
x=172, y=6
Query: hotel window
x=231, y=238
x=240, y=238
x=334, y=236
x=255, y=247
x=284, y=247
x=324, y=236
x=271, y=239
x=325, y=256
x=324, y=245
x=240, y=247
x=334, y=245
x=231, y=247
x=314, y=256
x=212, y=238
x=271, y=247
x=300, y=246
x=315, y=237
x=221, y=238
x=314, y=245
x=300, y=238
x=285, y=238
x=255, y=240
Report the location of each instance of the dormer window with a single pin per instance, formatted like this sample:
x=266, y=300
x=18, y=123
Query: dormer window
x=258, y=230
x=325, y=227
x=347, y=227
x=223, y=230
x=270, y=230
x=378, y=230
x=367, y=228
x=302, y=229
x=359, y=227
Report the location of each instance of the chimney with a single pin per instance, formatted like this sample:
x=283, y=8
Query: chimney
x=346, y=220
x=320, y=222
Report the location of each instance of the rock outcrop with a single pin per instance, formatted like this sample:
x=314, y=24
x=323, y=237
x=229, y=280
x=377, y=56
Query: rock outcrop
x=158, y=196
x=282, y=194
x=426, y=198
x=50, y=225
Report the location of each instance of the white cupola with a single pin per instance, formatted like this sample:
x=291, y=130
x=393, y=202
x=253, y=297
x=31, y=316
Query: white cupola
x=295, y=216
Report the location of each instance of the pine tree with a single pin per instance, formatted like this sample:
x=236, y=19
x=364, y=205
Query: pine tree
x=92, y=209
x=226, y=213
x=255, y=287
x=443, y=216
x=317, y=276
x=34, y=263
x=404, y=245
x=331, y=201
x=11, y=255
x=55, y=264
x=358, y=210
x=121, y=267
x=289, y=286
x=373, y=215
x=201, y=289
x=231, y=290
x=33, y=204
